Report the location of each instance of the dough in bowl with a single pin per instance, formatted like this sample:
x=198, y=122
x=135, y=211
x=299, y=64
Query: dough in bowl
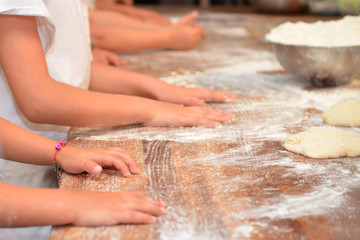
x=345, y=113
x=324, y=142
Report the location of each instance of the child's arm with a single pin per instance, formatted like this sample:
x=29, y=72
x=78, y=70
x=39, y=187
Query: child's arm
x=181, y=36
x=21, y=145
x=43, y=100
x=135, y=12
x=22, y=206
x=115, y=19
x=106, y=57
x=121, y=81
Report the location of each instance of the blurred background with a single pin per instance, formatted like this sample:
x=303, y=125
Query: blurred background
x=193, y=2
x=319, y=7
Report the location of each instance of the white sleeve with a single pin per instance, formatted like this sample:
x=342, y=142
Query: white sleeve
x=36, y=8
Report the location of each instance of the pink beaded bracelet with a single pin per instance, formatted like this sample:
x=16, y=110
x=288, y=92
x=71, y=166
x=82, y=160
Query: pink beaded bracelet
x=58, y=146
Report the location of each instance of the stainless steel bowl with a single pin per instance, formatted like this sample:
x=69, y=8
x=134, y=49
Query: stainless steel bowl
x=320, y=66
x=278, y=6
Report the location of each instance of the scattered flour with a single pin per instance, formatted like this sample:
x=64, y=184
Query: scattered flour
x=274, y=104
x=236, y=32
x=336, y=33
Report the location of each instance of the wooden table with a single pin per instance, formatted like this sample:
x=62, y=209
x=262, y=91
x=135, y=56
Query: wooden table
x=235, y=181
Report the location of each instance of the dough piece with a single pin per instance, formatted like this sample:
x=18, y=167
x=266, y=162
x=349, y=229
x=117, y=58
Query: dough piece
x=324, y=142
x=343, y=114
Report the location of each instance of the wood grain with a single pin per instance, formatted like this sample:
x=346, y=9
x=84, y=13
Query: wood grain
x=235, y=181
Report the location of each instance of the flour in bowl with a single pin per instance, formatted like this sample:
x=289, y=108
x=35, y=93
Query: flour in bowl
x=337, y=33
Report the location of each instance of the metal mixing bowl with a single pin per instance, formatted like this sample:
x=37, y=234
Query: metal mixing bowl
x=321, y=66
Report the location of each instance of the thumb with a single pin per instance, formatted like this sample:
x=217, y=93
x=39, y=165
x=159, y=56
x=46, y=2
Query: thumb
x=188, y=18
x=92, y=167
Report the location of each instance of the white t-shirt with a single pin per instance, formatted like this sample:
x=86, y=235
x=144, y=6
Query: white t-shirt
x=64, y=33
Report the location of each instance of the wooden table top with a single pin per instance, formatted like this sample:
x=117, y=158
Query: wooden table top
x=235, y=181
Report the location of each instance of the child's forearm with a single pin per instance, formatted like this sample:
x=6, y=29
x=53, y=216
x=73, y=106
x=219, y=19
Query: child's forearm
x=80, y=108
x=21, y=145
x=138, y=13
x=22, y=206
x=110, y=18
x=58, y=103
x=117, y=80
x=121, y=8
x=44, y=100
x=121, y=39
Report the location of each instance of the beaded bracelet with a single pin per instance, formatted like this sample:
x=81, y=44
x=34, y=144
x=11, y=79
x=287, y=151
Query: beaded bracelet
x=58, y=146
x=58, y=169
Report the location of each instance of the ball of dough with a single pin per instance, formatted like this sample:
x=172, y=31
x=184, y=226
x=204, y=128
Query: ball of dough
x=324, y=142
x=343, y=114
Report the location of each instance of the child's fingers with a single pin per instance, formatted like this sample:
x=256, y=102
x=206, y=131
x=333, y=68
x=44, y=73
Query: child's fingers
x=199, y=122
x=120, y=165
x=212, y=95
x=92, y=167
x=116, y=60
x=177, y=115
x=141, y=208
x=205, y=117
x=117, y=158
x=101, y=157
x=125, y=156
x=102, y=59
x=148, y=205
x=136, y=217
x=193, y=101
x=188, y=18
x=199, y=29
x=124, y=169
x=199, y=99
x=209, y=117
x=130, y=162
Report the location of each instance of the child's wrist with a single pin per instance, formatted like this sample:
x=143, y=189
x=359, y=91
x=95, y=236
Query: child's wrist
x=58, y=147
x=57, y=169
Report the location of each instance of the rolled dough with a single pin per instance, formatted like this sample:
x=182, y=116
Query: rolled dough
x=324, y=142
x=343, y=114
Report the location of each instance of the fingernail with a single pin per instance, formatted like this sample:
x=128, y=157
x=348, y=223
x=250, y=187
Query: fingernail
x=152, y=220
x=97, y=169
x=215, y=124
x=135, y=170
x=229, y=97
x=227, y=100
x=231, y=115
x=163, y=210
x=162, y=203
x=200, y=102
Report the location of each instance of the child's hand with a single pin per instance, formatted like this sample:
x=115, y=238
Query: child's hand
x=91, y=160
x=151, y=17
x=107, y=57
x=185, y=35
x=192, y=96
x=111, y=208
x=166, y=114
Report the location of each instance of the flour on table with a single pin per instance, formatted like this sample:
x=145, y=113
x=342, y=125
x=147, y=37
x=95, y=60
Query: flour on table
x=231, y=31
x=336, y=33
x=345, y=113
x=324, y=142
